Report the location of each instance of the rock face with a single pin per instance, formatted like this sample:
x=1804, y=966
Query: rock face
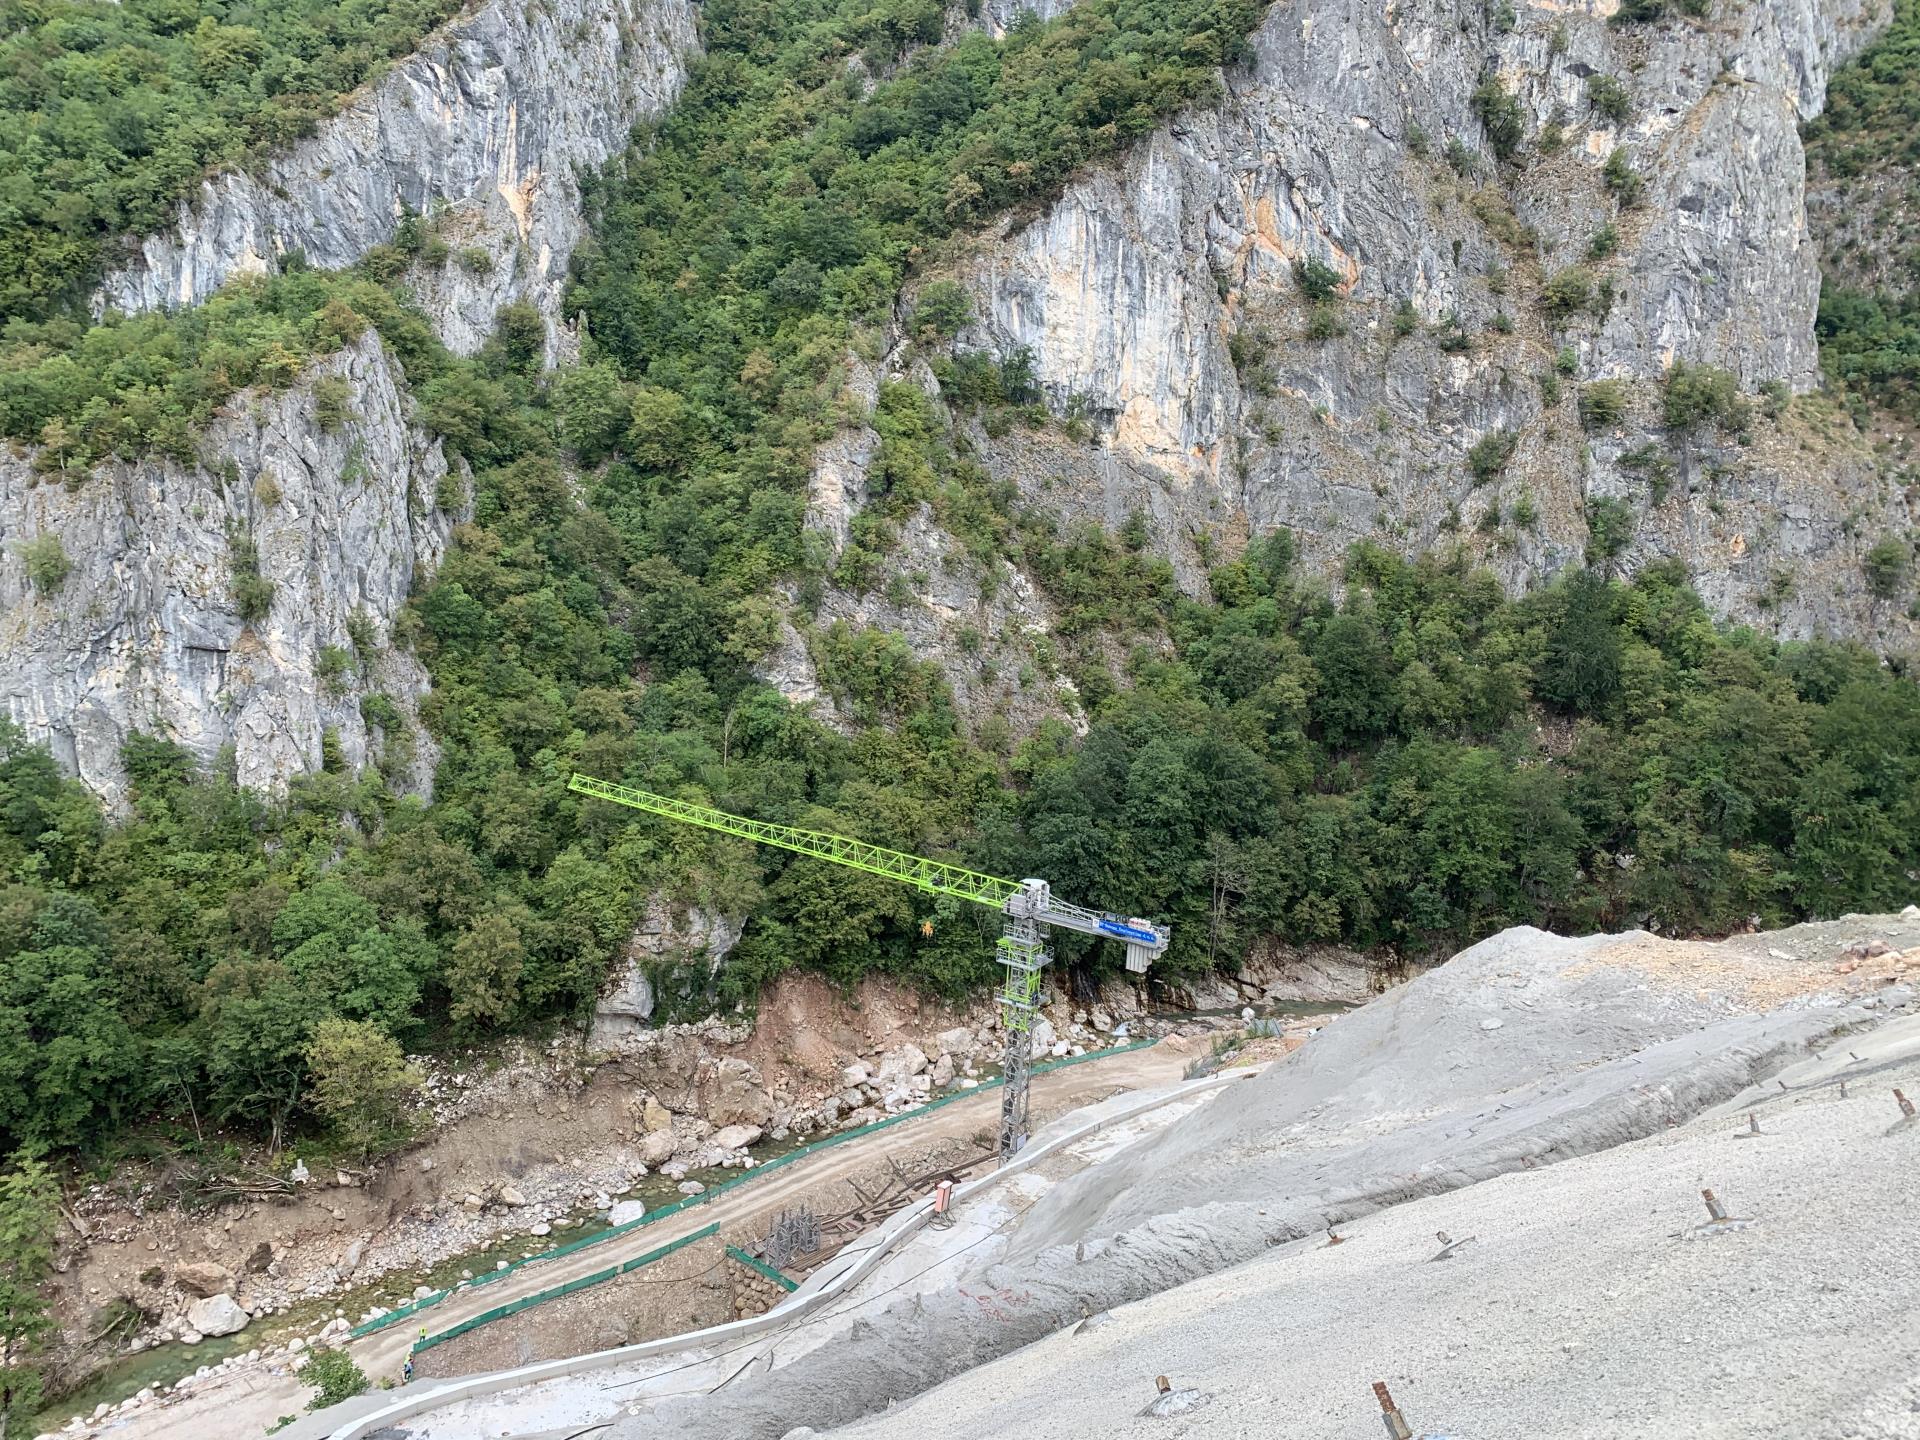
x=663, y=937
x=145, y=632
x=1140, y=289
x=483, y=128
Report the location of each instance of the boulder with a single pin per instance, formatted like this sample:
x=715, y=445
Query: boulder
x=957, y=1041
x=942, y=1072
x=260, y=1259
x=217, y=1315
x=1043, y=1037
x=900, y=1063
x=626, y=1212
x=737, y=1137
x=203, y=1278
x=655, y=1116
x=855, y=1075
x=658, y=1147
x=510, y=1196
x=737, y=1096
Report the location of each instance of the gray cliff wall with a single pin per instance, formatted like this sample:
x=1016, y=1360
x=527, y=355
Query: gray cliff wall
x=1135, y=289
x=145, y=632
x=483, y=129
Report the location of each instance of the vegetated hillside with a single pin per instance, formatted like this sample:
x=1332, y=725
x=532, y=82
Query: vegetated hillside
x=1409, y=757
x=1863, y=165
x=111, y=112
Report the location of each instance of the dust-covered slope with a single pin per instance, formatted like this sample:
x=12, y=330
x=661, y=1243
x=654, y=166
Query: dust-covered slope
x=1587, y=1303
x=1524, y=1050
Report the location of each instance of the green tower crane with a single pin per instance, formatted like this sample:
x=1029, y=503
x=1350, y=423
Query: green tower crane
x=1027, y=905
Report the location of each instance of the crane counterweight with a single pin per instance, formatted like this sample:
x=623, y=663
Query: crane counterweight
x=1027, y=906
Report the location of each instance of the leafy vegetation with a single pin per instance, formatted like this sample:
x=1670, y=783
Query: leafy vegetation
x=1864, y=144
x=110, y=113
x=1279, y=761
x=334, y=1377
x=1500, y=116
x=29, y=1216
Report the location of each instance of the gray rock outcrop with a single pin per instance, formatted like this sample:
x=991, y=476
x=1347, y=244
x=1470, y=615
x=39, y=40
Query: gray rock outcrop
x=145, y=632
x=484, y=130
x=666, y=936
x=1157, y=297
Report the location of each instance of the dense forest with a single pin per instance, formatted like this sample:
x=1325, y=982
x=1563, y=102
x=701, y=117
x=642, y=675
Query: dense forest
x=1407, y=759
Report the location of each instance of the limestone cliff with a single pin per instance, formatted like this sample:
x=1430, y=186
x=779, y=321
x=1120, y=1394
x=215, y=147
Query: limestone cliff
x=336, y=512
x=1158, y=298
x=484, y=130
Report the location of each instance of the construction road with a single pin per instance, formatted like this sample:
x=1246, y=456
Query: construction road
x=250, y=1401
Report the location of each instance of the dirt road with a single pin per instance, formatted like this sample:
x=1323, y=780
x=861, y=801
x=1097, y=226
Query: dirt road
x=246, y=1403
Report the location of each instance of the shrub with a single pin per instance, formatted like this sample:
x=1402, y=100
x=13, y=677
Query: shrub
x=941, y=311
x=1608, y=96
x=1318, y=281
x=1603, y=403
x=1566, y=361
x=1697, y=393
x=1323, y=322
x=1622, y=179
x=252, y=593
x=1490, y=454
x=1886, y=566
x=475, y=260
x=332, y=402
x=266, y=490
x=1405, y=319
x=334, y=1377
x=1609, y=528
x=1460, y=159
x=1605, y=241
x=1567, y=293
x=1500, y=115
x=47, y=563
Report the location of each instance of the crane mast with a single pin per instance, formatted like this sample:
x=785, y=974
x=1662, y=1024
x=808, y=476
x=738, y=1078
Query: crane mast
x=1027, y=906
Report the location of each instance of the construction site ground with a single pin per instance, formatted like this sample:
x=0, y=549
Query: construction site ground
x=250, y=1401
x=1563, y=1102
x=1588, y=1300
x=932, y=1261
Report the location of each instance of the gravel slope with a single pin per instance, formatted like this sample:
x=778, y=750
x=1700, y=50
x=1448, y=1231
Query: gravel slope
x=1588, y=1307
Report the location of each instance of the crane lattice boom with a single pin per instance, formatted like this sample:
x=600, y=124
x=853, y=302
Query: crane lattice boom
x=1027, y=905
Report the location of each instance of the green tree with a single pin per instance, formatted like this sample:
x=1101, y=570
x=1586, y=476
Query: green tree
x=362, y=1083
x=29, y=1218
x=1887, y=565
x=483, y=969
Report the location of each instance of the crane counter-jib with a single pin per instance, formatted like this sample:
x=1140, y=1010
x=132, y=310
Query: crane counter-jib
x=936, y=877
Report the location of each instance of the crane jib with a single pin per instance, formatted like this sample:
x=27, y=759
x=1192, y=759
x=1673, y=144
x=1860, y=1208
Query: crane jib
x=1129, y=932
